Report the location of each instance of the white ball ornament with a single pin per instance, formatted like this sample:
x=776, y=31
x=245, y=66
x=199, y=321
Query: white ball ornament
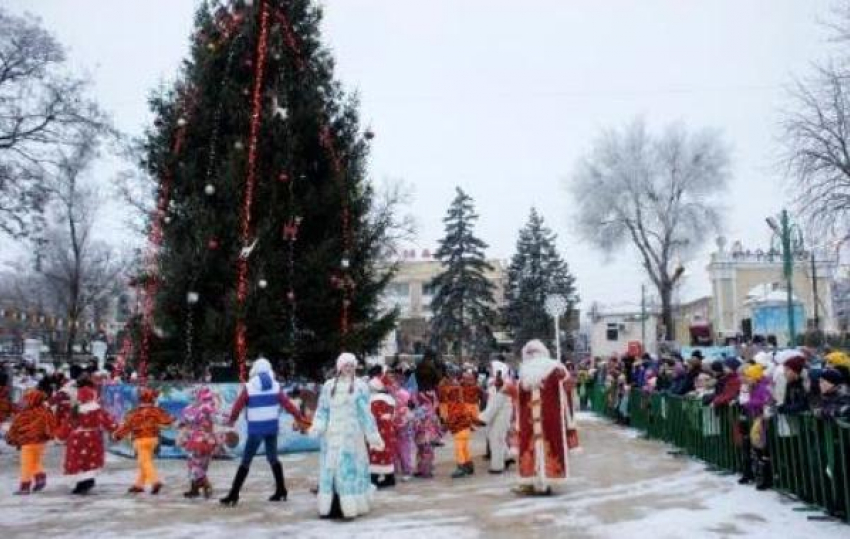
x=209, y=190
x=181, y=122
x=262, y=283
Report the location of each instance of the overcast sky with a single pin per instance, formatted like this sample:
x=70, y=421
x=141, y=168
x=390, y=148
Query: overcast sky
x=502, y=97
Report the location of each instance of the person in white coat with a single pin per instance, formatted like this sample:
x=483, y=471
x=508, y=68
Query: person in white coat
x=345, y=424
x=498, y=415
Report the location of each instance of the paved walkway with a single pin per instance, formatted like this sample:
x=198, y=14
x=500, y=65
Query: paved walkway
x=622, y=486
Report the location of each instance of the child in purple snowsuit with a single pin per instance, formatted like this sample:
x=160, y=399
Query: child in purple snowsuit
x=426, y=431
x=757, y=463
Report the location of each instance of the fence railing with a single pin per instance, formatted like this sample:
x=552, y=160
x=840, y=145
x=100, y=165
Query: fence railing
x=810, y=456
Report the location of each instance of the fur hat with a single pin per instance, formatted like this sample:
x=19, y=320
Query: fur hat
x=795, y=363
x=148, y=395
x=345, y=358
x=754, y=373
x=717, y=366
x=534, y=349
x=833, y=376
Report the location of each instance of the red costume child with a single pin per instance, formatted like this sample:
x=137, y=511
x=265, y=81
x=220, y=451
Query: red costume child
x=382, y=462
x=83, y=435
x=31, y=429
x=144, y=424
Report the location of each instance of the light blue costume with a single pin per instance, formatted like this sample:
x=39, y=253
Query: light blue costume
x=345, y=423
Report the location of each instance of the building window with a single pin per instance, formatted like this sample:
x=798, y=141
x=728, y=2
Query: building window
x=612, y=333
x=429, y=289
x=399, y=290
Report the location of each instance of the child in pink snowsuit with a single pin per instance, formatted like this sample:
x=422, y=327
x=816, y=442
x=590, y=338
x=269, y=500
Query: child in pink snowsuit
x=200, y=440
x=404, y=434
x=426, y=432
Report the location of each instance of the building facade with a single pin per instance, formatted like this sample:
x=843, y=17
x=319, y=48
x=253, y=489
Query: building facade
x=612, y=329
x=745, y=283
x=411, y=292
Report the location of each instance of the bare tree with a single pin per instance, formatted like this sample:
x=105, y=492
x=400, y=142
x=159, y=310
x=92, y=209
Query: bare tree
x=81, y=272
x=815, y=134
x=42, y=110
x=658, y=194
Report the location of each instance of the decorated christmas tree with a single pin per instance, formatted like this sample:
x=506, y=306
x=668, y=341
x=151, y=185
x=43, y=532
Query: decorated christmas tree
x=463, y=304
x=535, y=272
x=262, y=240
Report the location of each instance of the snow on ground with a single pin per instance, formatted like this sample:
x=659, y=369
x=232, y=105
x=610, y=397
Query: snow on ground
x=622, y=486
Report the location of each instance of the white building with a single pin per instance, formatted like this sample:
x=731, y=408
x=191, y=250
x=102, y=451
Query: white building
x=613, y=328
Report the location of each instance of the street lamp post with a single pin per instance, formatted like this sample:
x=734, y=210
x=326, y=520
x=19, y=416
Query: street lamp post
x=555, y=306
x=783, y=229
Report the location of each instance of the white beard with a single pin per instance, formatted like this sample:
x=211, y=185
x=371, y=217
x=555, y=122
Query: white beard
x=533, y=371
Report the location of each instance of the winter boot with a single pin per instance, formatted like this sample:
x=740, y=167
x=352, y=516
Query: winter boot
x=156, y=488
x=40, y=482
x=207, y=488
x=232, y=497
x=469, y=467
x=135, y=490
x=83, y=487
x=24, y=489
x=765, y=475
x=194, y=489
x=279, y=484
x=461, y=471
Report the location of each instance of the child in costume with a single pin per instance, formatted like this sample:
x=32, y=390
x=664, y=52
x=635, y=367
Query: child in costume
x=457, y=413
x=83, y=435
x=403, y=422
x=144, y=424
x=31, y=429
x=426, y=432
x=383, y=407
x=200, y=440
x=262, y=398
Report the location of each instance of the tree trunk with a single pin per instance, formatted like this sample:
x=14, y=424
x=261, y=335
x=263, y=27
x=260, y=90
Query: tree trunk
x=665, y=290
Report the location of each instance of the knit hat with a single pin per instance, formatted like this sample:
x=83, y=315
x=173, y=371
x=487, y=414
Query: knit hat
x=717, y=366
x=345, y=358
x=754, y=373
x=697, y=354
x=34, y=398
x=833, y=376
x=838, y=359
x=732, y=363
x=148, y=395
x=261, y=365
x=796, y=364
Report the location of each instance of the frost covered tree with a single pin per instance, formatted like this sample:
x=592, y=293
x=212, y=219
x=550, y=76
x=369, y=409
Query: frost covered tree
x=463, y=304
x=536, y=271
x=659, y=193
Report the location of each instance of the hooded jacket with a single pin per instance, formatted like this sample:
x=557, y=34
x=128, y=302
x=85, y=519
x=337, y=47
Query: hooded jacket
x=263, y=398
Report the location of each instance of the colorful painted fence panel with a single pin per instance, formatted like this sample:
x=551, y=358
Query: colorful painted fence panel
x=120, y=399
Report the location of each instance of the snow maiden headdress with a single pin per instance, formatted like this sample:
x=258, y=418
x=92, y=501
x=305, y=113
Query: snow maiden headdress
x=345, y=358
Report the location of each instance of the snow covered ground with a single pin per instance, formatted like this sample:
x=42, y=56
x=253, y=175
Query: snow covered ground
x=622, y=486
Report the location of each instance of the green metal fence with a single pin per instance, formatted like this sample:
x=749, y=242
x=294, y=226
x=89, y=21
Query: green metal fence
x=810, y=456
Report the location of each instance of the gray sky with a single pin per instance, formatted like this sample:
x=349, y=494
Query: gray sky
x=502, y=97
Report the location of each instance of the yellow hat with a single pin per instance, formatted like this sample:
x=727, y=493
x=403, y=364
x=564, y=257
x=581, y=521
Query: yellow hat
x=838, y=359
x=754, y=373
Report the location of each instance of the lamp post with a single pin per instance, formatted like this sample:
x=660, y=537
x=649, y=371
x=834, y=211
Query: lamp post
x=555, y=306
x=783, y=230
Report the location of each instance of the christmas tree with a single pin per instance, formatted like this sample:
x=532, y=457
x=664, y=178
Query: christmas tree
x=535, y=272
x=262, y=240
x=463, y=303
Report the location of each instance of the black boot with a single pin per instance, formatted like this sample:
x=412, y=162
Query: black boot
x=765, y=474
x=279, y=484
x=233, y=497
x=194, y=490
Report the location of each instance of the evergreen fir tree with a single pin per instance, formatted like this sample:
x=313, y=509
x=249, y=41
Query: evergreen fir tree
x=536, y=271
x=463, y=302
x=312, y=247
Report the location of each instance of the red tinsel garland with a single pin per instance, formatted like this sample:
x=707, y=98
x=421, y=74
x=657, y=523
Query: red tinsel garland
x=250, y=180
